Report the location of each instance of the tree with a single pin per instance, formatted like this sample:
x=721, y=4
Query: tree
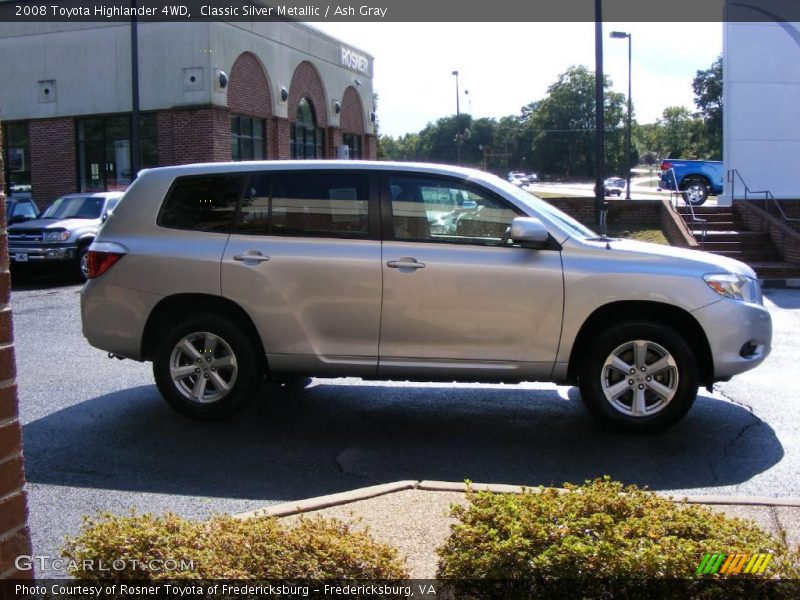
x=677, y=133
x=707, y=86
x=563, y=126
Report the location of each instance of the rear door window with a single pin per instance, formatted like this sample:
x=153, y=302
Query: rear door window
x=315, y=204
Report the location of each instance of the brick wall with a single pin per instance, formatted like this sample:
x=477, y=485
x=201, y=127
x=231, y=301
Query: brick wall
x=786, y=239
x=280, y=139
x=54, y=162
x=634, y=212
x=352, y=118
x=14, y=535
x=581, y=209
x=193, y=135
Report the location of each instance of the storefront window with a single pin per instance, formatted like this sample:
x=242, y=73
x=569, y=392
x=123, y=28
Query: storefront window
x=247, y=138
x=307, y=140
x=104, y=150
x=17, y=158
x=353, y=142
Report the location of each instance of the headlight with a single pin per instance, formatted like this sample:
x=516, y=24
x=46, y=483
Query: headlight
x=735, y=286
x=56, y=236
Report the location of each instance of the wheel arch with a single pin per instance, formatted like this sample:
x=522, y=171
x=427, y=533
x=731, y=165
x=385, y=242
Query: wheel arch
x=172, y=308
x=695, y=177
x=666, y=314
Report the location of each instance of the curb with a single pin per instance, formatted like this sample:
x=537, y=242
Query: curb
x=287, y=509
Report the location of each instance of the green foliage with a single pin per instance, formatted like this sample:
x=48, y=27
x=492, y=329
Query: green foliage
x=601, y=529
x=228, y=548
x=707, y=87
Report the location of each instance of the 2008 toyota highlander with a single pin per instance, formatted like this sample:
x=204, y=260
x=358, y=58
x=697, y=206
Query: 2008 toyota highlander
x=223, y=273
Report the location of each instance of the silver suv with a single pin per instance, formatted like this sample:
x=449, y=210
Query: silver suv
x=221, y=274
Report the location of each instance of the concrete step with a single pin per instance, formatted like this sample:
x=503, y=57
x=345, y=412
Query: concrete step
x=776, y=270
x=754, y=237
x=749, y=256
x=711, y=217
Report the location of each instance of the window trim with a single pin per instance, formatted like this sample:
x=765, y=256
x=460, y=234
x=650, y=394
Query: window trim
x=387, y=221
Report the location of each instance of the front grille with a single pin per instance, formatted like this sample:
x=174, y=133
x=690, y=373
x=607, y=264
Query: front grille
x=26, y=236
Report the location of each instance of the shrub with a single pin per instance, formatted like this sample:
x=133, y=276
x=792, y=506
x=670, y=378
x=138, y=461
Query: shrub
x=598, y=530
x=228, y=548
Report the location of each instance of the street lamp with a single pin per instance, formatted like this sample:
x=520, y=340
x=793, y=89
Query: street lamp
x=458, y=123
x=623, y=35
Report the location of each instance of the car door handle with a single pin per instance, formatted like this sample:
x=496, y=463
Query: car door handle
x=251, y=257
x=405, y=263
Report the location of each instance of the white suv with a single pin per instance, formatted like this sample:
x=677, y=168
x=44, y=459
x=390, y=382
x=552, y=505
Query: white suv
x=223, y=273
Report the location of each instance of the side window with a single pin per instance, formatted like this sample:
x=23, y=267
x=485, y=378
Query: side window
x=333, y=204
x=202, y=203
x=112, y=204
x=441, y=210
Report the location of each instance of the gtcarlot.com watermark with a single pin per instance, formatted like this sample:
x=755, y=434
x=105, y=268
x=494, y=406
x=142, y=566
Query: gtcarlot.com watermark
x=26, y=562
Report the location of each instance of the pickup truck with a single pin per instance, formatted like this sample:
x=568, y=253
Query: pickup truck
x=61, y=236
x=695, y=178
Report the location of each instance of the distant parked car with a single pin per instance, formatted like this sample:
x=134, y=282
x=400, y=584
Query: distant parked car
x=20, y=208
x=532, y=178
x=63, y=232
x=614, y=186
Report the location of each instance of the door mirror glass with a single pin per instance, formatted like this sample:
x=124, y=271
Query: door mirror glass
x=529, y=231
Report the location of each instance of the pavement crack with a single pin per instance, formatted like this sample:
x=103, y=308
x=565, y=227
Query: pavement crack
x=728, y=448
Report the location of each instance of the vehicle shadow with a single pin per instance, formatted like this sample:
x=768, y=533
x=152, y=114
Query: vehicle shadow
x=35, y=280
x=333, y=437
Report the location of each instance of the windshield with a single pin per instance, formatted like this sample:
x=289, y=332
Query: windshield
x=537, y=205
x=75, y=207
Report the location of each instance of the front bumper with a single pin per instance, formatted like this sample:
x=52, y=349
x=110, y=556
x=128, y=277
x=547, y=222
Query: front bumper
x=43, y=253
x=739, y=334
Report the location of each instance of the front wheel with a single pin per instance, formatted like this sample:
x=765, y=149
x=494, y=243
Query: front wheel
x=639, y=377
x=695, y=191
x=206, y=367
x=82, y=263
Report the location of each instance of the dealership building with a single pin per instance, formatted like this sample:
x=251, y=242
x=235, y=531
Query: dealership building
x=208, y=91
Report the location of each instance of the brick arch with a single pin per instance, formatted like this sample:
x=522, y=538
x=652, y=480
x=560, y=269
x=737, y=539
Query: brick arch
x=306, y=83
x=249, y=92
x=352, y=118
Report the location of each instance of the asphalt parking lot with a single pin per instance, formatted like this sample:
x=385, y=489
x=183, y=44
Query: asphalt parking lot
x=98, y=437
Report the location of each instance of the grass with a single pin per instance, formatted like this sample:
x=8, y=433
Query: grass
x=641, y=234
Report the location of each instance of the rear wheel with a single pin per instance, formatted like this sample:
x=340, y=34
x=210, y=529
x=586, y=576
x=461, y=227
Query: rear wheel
x=206, y=367
x=695, y=190
x=639, y=377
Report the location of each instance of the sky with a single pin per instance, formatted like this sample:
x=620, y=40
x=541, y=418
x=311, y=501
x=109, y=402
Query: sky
x=504, y=66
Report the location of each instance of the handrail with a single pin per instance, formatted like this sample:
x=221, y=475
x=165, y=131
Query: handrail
x=734, y=174
x=695, y=219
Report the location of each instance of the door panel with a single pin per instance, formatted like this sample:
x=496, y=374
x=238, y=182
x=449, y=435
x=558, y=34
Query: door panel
x=305, y=265
x=458, y=297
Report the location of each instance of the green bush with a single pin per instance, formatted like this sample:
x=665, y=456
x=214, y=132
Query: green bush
x=598, y=530
x=228, y=548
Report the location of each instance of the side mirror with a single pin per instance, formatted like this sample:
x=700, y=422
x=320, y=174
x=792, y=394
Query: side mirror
x=529, y=232
x=105, y=217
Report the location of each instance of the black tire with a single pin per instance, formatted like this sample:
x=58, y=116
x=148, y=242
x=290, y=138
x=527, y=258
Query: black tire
x=611, y=397
x=81, y=267
x=695, y=190
x=216, y=340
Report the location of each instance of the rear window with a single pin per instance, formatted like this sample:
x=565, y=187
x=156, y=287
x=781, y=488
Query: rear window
x=202, y=203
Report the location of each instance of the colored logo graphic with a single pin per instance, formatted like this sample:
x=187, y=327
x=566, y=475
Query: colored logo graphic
x=734, y=564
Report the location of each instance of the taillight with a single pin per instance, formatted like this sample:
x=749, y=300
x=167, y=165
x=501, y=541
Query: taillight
x=102, y=256
x=666, y=166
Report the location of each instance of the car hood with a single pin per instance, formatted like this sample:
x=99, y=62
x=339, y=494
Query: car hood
x=69, y=224
x=670, y=256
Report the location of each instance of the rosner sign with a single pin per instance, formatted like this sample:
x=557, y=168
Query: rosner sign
x=355, y=61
